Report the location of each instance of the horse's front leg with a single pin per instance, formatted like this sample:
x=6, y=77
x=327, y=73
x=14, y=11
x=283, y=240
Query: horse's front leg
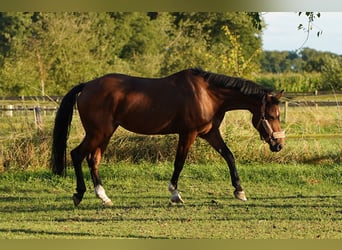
x=184, y=144
x=215, y=140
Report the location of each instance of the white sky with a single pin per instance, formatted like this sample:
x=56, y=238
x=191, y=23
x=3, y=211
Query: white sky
x=281, y=32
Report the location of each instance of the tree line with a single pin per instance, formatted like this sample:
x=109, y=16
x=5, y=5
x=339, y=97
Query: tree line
x=45, y=53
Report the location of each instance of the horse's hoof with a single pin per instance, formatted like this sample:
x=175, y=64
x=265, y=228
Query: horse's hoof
x=177, y=199
x=240, y=195
x=76, y=200
x=108, y=203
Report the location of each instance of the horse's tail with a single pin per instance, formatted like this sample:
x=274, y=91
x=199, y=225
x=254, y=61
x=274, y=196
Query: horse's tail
x=61, y=130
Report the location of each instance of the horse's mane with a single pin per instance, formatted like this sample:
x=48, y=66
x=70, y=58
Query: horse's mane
x=244, y=86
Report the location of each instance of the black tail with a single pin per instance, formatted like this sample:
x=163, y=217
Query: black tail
x=61, y=130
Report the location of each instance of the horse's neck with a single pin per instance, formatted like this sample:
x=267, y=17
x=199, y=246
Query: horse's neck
x=233, y=100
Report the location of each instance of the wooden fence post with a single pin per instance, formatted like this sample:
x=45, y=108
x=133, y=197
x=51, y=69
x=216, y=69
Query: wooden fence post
x=9, y=109
x=38, y=118
x=286, y=108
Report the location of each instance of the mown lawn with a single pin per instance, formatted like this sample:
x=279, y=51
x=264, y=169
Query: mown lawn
x=285, y=202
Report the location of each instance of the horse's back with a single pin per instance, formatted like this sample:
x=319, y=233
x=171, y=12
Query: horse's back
x=141, y=105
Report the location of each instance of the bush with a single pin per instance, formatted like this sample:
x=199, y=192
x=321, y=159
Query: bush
x=28, y=151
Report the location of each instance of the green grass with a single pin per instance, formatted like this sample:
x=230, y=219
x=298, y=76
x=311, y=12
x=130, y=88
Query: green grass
x=285, y=201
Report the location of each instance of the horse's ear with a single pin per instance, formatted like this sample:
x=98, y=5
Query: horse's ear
x=279, y=95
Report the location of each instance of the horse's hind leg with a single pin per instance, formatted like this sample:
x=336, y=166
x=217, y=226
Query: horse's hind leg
x=93, y=161
x=88, y=148
x=77, y=159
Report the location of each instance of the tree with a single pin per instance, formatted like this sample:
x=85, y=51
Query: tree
x=199, y=39
x=314, y=60
x=275, y=61
x=13, y=26
x=234, y=61
x=332, y=73
x=47, y=53
x=15, y=68
x=144, y=40
x=67, y=48
x=57, y=51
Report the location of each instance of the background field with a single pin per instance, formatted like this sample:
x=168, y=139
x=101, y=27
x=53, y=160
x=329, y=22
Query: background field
x=292, y=194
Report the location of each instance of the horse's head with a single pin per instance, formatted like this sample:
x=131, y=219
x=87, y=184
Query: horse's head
x=266, y=121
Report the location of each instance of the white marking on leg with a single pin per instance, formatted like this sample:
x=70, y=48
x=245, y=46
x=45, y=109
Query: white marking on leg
x=175, y=196
x=100, y=193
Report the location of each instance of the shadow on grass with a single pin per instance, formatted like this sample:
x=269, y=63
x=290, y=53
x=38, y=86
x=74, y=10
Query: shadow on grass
x=40, y=233
x=332, y=158
x=15, y=203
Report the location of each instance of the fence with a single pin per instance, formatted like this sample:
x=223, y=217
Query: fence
x=314, y=93
x=38, y=111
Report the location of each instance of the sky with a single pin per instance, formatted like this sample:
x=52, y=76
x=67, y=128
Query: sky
x=281, y=32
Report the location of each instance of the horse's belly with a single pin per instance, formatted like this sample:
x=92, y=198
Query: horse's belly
x=148, y=130
x=148, y=124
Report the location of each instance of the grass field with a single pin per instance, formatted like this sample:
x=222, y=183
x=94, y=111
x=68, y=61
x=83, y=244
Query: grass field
x=285, y=202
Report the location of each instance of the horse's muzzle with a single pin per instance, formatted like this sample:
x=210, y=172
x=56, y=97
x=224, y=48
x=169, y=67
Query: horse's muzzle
x=276, y=147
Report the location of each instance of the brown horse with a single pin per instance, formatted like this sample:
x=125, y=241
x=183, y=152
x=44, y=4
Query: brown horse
x=190, y=103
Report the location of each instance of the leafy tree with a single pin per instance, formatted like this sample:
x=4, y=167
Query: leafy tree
x=144, y=40
x=13, y=26
x=47, y=53
x=15, y=68
x=332, y=73
x=314, y=60
x=275, y=61
x=306, y=60
x=59, y=50
x=235, y=62
x=200, y=40
x=72, y=47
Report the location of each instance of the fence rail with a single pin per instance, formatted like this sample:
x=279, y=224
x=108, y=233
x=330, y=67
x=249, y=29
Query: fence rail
x=313, y=93
x=24, y=108
x=32, y=98
x=57, y=99
x=289, y=104
x=312, y=104
x=52, y=103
